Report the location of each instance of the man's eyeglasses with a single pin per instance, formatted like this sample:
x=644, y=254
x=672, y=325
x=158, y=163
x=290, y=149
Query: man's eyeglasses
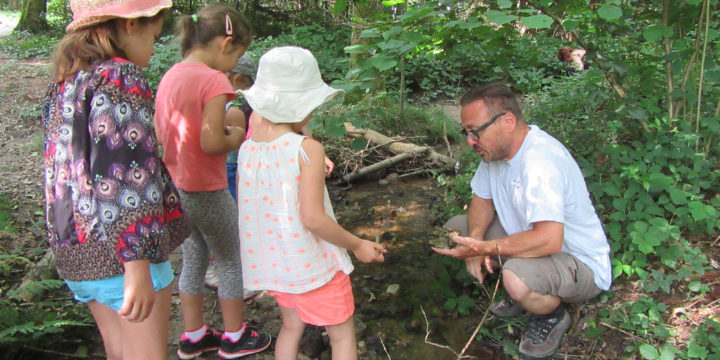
x=473, y=134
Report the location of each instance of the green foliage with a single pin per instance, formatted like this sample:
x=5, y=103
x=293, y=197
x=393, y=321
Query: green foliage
x=445, y=51
x=325, y=42
x=6, y=220
x=58, y=14
x=444, y=283
x=644, y=317
x=22, y=45
x=382, y=113
x=167, y=53
x=30, y=325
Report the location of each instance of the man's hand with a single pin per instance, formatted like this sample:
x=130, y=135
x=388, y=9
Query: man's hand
x=474, y=266
x=139, y=294
x=466, y=247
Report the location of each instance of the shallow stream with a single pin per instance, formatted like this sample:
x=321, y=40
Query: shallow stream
x=400, y=215
x=389, y=325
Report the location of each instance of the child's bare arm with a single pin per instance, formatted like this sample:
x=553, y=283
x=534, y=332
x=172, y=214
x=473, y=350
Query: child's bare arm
x=139, y=294
x=312, y=212
x=235, y=117
x=215, y=138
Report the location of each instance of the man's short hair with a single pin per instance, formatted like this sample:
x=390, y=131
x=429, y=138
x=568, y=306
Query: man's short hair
x=497, y=98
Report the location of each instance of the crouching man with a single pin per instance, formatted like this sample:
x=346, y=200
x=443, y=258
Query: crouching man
x=530, y=215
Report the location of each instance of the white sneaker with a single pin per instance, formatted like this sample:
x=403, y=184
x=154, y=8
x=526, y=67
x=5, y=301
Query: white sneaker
x=211, y=277
x=249, y=294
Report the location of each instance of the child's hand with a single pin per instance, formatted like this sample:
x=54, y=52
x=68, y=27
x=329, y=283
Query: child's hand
x=139, y=294
x=369, y=251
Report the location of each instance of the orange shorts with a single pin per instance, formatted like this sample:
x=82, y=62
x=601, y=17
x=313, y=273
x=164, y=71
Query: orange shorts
x=330, y=304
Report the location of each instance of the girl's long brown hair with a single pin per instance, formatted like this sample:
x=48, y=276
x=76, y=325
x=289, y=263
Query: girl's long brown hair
x=81, y=49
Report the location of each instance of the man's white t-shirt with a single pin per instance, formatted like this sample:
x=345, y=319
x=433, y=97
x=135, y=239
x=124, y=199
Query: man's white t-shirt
x=542, y=182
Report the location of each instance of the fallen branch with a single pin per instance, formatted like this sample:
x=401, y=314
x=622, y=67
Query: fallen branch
x=405, y=151
x=382, y=165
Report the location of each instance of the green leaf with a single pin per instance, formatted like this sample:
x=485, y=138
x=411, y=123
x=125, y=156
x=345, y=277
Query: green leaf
x=652, y=33
x=505, y=4
x=678, y=197
x=610, y=12
x=369, y=33
x=696, y=351
x=357, y=49
x=335, y=130
x=382, y=62
x=570, y=24
x=648, y=351
x=470, y=24
x=667, y=353
x=390, y=45
x=339, y=7
x=500, y=17
x=450, y=303
x=537, y=21
x=697, y=210
x=358, y=144
x=693, y=2
x=640, y=226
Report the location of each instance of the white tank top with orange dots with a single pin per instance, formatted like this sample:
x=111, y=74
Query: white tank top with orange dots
x=278, y=252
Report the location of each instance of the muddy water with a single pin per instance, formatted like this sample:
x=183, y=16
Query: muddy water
x=399, y=215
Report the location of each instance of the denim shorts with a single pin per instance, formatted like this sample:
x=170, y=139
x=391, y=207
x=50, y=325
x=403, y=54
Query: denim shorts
x=109, y=291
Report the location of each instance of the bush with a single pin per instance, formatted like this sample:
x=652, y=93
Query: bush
x=326, y=44
x=22, y=45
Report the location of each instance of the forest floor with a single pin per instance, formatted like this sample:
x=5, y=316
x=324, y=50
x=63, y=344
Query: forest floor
x=387, y=209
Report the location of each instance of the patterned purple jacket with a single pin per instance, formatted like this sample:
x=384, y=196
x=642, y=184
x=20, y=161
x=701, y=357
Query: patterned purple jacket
x=109, y=198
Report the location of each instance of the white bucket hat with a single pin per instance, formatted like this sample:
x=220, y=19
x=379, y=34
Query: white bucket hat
x=288, y=86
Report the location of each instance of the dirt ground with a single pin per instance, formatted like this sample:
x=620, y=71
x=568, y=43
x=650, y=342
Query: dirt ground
x=21, y=179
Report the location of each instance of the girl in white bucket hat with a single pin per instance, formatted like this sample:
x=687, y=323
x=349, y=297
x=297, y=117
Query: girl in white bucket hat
x=300, y=257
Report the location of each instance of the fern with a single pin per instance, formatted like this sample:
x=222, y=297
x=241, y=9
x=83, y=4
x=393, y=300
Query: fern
x=9, y=261
x=37, y=330
x=29, y=325
x=35, y=288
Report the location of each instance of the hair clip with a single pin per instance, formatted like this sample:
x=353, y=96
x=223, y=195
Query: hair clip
x=194, y=18
x=228, y=25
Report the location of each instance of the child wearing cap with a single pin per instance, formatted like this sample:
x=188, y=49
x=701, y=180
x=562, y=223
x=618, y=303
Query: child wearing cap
x=113, y=214
x=241, y=77
x=299, y=256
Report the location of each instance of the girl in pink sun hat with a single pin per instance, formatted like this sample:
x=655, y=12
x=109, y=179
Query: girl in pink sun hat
x=113, y=215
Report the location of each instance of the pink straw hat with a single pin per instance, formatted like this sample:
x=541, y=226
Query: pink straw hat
x=91, y=12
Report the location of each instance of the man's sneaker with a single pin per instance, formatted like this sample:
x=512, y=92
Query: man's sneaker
x=251, y=342
x=506, y=308
x=190, y=350
x=542, y=338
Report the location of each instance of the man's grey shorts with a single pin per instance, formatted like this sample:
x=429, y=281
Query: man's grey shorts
x=559, y=274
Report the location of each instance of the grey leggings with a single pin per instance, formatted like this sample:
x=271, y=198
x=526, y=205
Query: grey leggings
x=213, y=221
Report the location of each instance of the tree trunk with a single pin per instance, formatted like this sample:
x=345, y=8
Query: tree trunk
x=365, y=10
x=33, y=17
